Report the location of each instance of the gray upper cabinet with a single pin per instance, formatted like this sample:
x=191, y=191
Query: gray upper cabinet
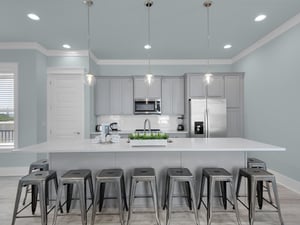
x=127, y=96
x=173, y=95
x=102, y=96
x=143, y=90
x=114, y=96
x=232, y=91
x=197, y=88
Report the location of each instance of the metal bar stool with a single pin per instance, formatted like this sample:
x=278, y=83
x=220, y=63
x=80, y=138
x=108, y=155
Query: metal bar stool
x=79, y=178
x=256, y=163
x=255, y=175
x=40, y=181
x=115, y=176
x=222, y=176
x=42, y=165
x=143, y=175
x=180, y=175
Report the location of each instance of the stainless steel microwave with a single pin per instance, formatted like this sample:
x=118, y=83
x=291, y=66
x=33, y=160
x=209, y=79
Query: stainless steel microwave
x=147, y=106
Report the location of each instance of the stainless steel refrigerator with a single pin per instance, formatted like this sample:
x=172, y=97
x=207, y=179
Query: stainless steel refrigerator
x=207, y=118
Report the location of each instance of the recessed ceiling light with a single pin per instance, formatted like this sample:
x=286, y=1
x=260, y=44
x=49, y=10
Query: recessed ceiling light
x=33, y=16
x=260, y=18
x=147, y=46
x=227, y=46
x=66, y=46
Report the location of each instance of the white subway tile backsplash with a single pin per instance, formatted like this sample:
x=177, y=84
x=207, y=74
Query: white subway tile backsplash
x=130, y=123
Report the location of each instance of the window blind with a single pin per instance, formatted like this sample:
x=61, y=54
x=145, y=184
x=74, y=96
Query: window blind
x=6, y=94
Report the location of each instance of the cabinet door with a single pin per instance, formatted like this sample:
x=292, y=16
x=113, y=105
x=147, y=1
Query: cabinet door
x=127, y=96
x=196, y=86
x=115, y=96
x=178, y=96
x=154, y=90
x=143, y=90
x=216, y=87
x=232, y=91
x=234, y=123
x=102, y=98
x=167, y=98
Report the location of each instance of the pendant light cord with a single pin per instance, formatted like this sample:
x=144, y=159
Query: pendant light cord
x=148, y=5
x=208, y=32
x=89, y=39
x=89, y=3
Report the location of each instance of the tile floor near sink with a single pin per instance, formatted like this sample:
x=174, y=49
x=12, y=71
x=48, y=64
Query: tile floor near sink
x=290, y=204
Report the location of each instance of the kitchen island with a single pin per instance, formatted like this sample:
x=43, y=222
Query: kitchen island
x=193, y=153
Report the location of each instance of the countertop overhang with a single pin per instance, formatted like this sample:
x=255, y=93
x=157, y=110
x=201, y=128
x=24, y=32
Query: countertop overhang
x=177, y=145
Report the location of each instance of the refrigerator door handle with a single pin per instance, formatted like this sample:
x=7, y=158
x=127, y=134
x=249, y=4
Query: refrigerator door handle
x=206, y=123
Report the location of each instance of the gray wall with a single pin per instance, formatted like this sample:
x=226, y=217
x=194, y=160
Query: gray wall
x=272, y=107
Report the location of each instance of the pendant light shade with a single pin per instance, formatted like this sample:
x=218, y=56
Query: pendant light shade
x=208, y=77
x=89, y=77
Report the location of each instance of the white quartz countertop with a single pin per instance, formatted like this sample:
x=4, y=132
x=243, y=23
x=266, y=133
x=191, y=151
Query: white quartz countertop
x=177, y=145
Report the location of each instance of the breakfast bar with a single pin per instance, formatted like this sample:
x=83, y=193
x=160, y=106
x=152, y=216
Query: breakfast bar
x=194, y=153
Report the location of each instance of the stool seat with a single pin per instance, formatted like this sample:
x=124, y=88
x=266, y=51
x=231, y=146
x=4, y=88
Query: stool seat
x=179, y=172
x=40, y=164
x=76, y=174
x=110, y=173
x=38, y=176
x=143, y=173
x=216, y=172
x=255, y=172
x=254, y=161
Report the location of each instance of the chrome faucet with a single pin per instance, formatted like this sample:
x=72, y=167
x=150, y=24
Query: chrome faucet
x=149, y=125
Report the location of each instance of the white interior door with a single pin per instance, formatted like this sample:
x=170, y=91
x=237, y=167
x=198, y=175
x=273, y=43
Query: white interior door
x=65, y=106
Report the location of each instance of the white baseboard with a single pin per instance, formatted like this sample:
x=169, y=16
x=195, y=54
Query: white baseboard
x=13, y=171
x=286, y=181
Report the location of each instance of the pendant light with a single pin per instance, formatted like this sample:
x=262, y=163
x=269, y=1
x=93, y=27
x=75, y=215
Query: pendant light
x=89, y=76
x=149, y=75
x=208, y=77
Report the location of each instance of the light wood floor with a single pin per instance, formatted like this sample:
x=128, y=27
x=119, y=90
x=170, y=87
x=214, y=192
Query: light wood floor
x=290, y=204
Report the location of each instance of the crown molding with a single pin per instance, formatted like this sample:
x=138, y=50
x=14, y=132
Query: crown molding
x=269, y=37
x=184, y=62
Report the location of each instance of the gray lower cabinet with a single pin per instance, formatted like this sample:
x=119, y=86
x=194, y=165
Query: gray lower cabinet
x=172, y=96
x=143, y=90
x=114, y=96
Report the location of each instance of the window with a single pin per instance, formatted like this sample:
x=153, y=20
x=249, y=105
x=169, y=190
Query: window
x=7, y=110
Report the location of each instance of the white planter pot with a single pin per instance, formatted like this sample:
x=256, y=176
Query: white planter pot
x=150, y=143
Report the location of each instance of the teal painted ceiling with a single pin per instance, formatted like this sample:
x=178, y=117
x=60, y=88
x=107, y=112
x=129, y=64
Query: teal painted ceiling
x=119, y=31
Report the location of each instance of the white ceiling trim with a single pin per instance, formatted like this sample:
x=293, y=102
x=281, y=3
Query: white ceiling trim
x=23, y=46
x=143, y=62
x=36, y=46
x=269, y=37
